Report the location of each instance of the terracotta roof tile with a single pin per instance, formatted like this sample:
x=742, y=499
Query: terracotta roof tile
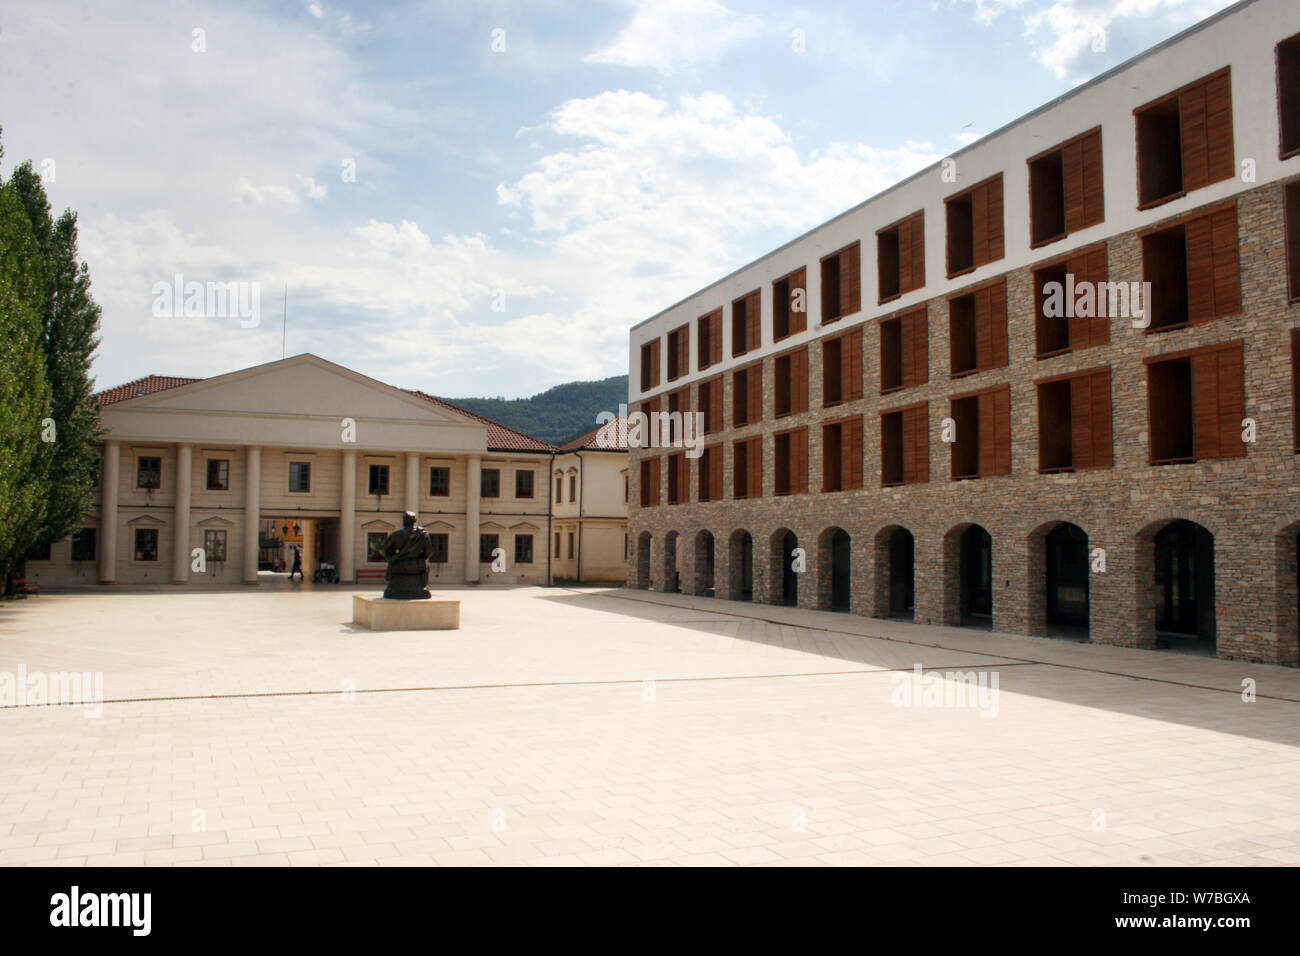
x=142, y=386
x=611, y=436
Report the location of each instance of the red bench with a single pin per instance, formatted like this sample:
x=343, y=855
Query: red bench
x=21, y=587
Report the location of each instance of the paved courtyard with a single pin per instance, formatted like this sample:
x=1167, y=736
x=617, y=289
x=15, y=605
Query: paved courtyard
x=613, y=727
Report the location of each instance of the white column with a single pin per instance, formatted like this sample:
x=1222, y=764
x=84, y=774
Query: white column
x=252, y=510
x=413, y=483
x=473, y=479
x=181, y=514
x=108, y=481
x=348, y=518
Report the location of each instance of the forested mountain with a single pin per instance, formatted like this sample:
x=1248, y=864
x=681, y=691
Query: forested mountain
x=557, y=414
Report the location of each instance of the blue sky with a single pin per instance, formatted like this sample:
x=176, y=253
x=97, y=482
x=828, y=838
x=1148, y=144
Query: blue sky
x=531, y=178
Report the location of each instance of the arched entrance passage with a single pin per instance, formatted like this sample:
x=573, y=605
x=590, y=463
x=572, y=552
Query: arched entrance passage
x=975, y=577
x=1184, y=586
x=668, y=566
x=895, y=572
x=833, y=568
x=704, y=585
x=741, y=571
x=1066, y=573
x=784, y=579
x=641, y=574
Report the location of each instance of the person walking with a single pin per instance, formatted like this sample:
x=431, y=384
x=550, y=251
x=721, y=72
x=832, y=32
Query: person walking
x=297, y=565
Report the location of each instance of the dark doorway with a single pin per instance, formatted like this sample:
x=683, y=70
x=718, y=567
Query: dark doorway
x=704, y=564
x=840, y=570
x=1067, y=577
x=1184, y=559
x=902, y=573
x=742, y=566
x=644, y=577
x=976, y=577
x=670, y=580
x=786, y=544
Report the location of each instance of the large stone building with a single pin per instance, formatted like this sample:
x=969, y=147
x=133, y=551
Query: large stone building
x=901, y=422
x=206, y=481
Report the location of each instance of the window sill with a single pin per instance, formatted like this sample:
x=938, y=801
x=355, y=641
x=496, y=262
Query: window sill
x=965, y=477
x=1171, y=461
x=963, y=373
x=833, y=403
x=892, y=484
x=1054, y=353
x=889, y=298
x=1287, y=154
x=1048, y=241
x=1062, y=470
x=1171, y=327
x=891, y=389
x=1153, y=203
x=964, y=271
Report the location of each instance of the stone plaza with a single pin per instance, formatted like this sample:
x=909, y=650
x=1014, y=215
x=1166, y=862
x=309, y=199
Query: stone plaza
x=594, y=727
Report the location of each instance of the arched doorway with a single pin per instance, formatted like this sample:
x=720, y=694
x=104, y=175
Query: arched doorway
x=1066, y=569
x=668, y=570
x=1184, y=587
x=899, y=559
x=834, y=568
x=704, y=585
x=976, y=574
x=784, y=578
x=741, y=571
x=641, y=573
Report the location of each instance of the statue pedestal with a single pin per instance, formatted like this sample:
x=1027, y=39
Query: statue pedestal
x=386, y=614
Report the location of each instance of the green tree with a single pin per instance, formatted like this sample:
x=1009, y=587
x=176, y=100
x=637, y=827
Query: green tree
x=24, y=392
x=69, y=337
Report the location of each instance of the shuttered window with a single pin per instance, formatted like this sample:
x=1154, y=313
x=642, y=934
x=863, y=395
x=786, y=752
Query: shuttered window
x=747, y=395
x=1072, y=304
x=905, y=445
x=790, y=383
x=982, y=445
x=1065, y=189
x=842, y=283
x=708, y=339
x=1193, y=268
x=975, y=226
x=842, y=368
x=649, y=482
x=747, y=468
x=790, y=462
x=679, y=404
x=649, y=365
x=1288, y=96
x=900, y=256
x=1195, y=404
x=710, y=473
x=710, y=403
x=904, y=350
x=790, y=305
x=745, y=318
x=978, y=329
x=679, y=352
x=1074, y=422
x=1295, y=387
x=1293, y=239
x=1184, y=140
x=679, y=478
x=842, y=454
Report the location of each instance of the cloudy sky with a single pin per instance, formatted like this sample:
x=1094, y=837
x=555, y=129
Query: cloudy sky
x=480, y=198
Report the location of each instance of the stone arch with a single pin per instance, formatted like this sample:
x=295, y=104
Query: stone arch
x=704, y=554
x=668, y=580
x=834, y=569
x=783, y=580
x=1286, y=563
x=740, y=566
x=1174, y=576
x=968, y=576
x=895, y=562
x=641, y=563
x=1058, y=579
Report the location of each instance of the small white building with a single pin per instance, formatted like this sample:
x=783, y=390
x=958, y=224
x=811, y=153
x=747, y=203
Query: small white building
x=589, y=502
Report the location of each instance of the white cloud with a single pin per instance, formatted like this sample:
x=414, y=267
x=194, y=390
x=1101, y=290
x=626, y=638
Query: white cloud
x=666, y=34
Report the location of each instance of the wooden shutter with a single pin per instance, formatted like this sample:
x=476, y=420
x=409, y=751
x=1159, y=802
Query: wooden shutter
x=851, y=279
x=851, y=453
x=799, y=381
x=1081, y=168
x=799, y=461
x=851, y=366
x=798, y=320
x=1295, y=386
x=753, y=320
x=916, y=443
x=994, y=410
x=712, y=472
x=754, y=468
x=1090, y=420
x=684, y=350
x=911, y=253
x=1205, y=112
x=715, y=404
x=1218, y=402
x=991, y=326
x=917, y=368
x=986, y=221
x=755, y=396
x=1088, y=266
x=1213, y=266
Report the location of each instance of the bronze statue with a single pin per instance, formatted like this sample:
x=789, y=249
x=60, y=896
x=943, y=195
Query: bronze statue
x=408, y=551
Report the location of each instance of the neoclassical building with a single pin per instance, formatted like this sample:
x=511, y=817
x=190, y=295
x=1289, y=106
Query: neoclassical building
x=204, y=481
x=589, y=502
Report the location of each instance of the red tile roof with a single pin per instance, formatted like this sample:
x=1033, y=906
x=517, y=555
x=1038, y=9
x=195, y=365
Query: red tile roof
x=611, y=436
x=499, y=437
x=142, y=386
